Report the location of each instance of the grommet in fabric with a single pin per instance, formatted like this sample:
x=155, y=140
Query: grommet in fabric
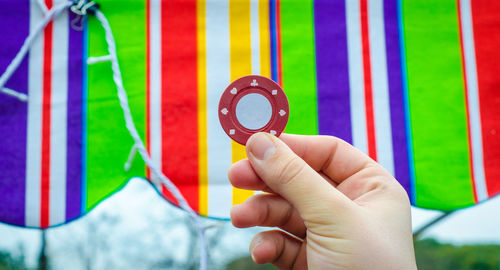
x=253, y=104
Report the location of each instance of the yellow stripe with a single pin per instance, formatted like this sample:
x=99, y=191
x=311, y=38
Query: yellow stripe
x=202, y=110
x=241, y=65
x=265, y=42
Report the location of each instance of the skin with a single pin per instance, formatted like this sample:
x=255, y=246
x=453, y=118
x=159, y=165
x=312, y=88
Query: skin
x=336, y=207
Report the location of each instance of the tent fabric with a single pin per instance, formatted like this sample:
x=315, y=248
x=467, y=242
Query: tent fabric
x=414, y=84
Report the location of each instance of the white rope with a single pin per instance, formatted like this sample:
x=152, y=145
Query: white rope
x=98, y=59
x=12, y=67
x=130, y=158
x=13, y=93
x=43, y=7
x=122, y=96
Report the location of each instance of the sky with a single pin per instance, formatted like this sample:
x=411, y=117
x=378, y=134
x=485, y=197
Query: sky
x=477, y=224
x=138, y=217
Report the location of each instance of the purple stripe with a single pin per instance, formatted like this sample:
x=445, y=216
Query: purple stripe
x=334, y=112
x=14, y=18
x=74, y=125
x=396, y=95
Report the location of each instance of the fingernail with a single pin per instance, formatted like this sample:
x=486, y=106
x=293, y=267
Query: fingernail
x=261, y=146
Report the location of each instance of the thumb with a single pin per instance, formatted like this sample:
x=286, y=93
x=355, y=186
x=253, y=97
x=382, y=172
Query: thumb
x=291, y=177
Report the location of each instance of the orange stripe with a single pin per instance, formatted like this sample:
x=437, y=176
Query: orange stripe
x=202, y=109
x=241, y=65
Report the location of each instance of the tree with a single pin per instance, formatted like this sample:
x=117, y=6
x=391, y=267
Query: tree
x=432, y=254
x=9, y=261
x=246, y=263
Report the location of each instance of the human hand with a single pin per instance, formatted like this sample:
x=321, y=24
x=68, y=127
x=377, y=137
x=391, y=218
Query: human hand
x=339, y=208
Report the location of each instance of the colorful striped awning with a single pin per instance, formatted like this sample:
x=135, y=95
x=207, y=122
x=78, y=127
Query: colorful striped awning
x=414, y=84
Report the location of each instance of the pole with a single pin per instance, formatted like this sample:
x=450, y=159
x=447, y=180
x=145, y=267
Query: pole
x=42, y=261
x=433, y=222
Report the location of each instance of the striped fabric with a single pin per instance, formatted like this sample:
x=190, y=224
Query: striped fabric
x=40, y=140
x=414, y=84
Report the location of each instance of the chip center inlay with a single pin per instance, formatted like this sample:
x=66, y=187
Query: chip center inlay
x=253, y=111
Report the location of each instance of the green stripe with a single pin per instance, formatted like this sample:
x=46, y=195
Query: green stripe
x=437, y=104
x=299, y=67
x=108, y=141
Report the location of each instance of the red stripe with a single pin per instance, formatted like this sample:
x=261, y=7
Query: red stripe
x=471, y=162
x=370, y=122
x=180, y=97
x=148, y=85
x=46, y=104
x=486, y=22
x=278, y=44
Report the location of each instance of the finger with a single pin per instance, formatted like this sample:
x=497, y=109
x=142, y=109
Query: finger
x=336, y=158
x=292, y=178
x=278, y=248
x=340, y=161
x=268, y=210
x=330, y=156
x=242, y=175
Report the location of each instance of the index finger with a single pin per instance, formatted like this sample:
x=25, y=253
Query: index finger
x=331, y=156
x=336, y=158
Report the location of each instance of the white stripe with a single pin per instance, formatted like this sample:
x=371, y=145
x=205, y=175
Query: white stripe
x=382, y=114
x=34, y=131
x=357, y=91
x=218, y=71
x=155, y=85
x=255, y=36
x=473, y=98
x=58, y=126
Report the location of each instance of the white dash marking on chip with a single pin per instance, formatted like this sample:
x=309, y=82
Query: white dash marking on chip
x=282, y=112
x=232, y=132
x=254, y=83
x=274, y=92
x=273, y=132
x=224, y=111
x=234, y=91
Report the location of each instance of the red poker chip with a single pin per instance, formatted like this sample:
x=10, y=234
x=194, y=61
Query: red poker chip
x=253, y=104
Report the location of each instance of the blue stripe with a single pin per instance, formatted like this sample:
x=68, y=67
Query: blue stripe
x=404, y=80
x=85, y=52
x=272, y=26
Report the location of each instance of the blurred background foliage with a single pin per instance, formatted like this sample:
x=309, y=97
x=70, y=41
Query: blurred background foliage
x=9, y=261
x=430, y=254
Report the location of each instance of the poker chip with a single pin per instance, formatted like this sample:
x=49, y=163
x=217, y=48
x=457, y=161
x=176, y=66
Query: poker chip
x=253, y=104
